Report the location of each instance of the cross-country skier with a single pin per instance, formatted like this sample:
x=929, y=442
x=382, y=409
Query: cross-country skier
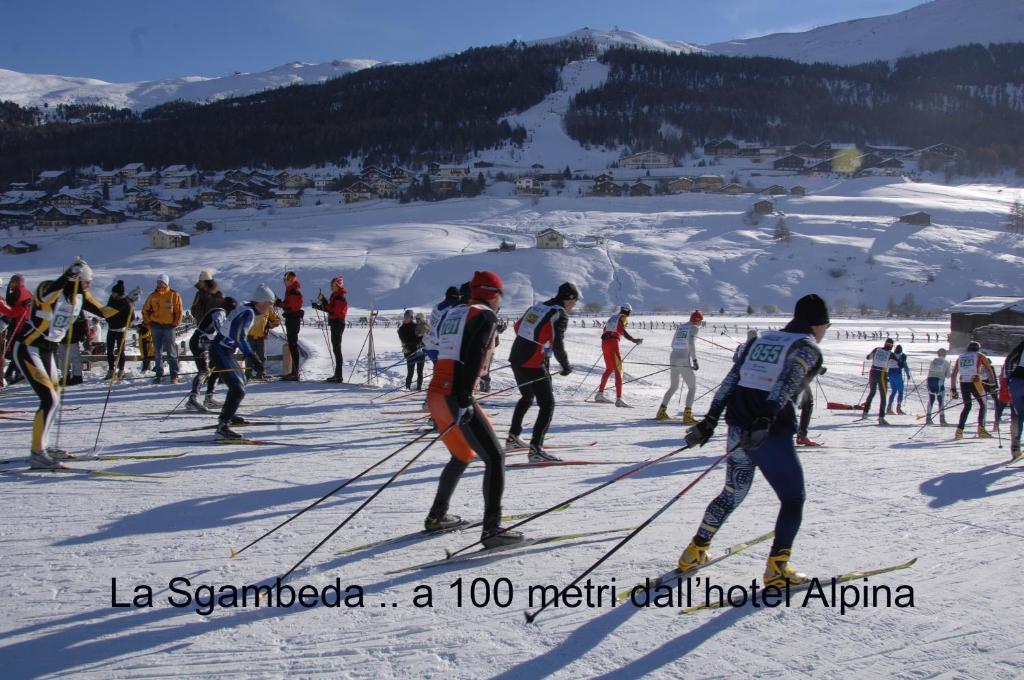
x=451, y=298
x=683, y=362
x=465, y=339
x=117, y=330
x=879, y=357
x=19, y=301
x=894, y=372
x=758, y=395
x=231, y=336
x=291, y=310
x=336, y=308
x=613, y=331
x=1014, y=371
x=199, y=344
x=54, y=307
x=411, y=337
x=540, y=332
x=977, y=378
x=938, y=373
x=208, y=296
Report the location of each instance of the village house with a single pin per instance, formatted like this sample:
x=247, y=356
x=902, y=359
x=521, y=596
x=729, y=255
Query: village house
x=108, y=178
x=167, y=210
x=529, y=186
x=292, y=180
x=69, y=199
x=732, y=189
x=20, y=248
x=603, y=177
x=646, y=160
x=819, y=168
x=15, y=218
x=456, y=171
x=385, y=188
x=203, y=226
x=241, y=199
x=288, y=198
x=240, y=176
x=764, y=207
x=92, y=216
x=940, y=152
x=210, y=196
x=640, y=189
x=52, y=179
x=165, y=238
x=357, y=191
x=708, y=183
x=130, y=171
x=606, y=189
x=775, y=190
x=56, y=217
x=680, y=185
x=147, y=179
x=551, y=239
x=183, y=180
x=724, y=147
x=400, y=174
x=174, y=170
x=789, y=162
x=968, y=316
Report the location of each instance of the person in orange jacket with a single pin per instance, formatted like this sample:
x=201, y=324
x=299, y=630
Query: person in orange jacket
x=291, y=310
x=162, y=313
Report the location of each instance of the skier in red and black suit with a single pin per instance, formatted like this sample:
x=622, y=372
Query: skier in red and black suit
x=465, y=341
x=539, y=334
x=613, y=331
x=336, y=309
x=291, y=308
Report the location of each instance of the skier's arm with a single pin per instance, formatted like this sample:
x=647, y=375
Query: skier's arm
x=240, y=329
x=626, y=335
x=692, y=340
x=804, y=361
x=732, y=378
x=476, y=340
x=558, y=342
x=92, y=305
x=7, y=311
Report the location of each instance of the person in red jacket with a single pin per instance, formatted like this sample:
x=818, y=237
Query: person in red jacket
x=614, y=330
x=465, y=342
x=18, y=301
x=291, y=310
x=336, y=309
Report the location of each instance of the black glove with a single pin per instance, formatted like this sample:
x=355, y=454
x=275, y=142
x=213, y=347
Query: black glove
x=566, y=370
x=754, y=436
x=696, y=366
x=822, y=370
x=638, y=341
x=465, y=414
x=258, y=366
x=699, y=434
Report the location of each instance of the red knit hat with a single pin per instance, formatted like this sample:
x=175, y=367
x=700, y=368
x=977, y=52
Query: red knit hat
x=486, y=285
x=696, y=317
x=340, y=280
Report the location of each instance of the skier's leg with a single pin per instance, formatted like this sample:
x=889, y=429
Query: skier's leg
x=739, y=475
x=618, y=371
x=691, y=385
x=1016, y=411
x=675, y=368
x=522, y=375
x=38, y=367
x=609, y=351
x=481, y=437
x=778, y=462
x=806, y=410
x=546, y=402
x=232, y=377
x=201, y=367
x=442, y=410
x=967, y=392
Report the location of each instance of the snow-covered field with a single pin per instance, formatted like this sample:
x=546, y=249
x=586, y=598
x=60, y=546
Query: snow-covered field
x=875, y=496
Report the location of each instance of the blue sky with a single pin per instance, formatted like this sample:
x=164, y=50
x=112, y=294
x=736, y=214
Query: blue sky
x=117, y=40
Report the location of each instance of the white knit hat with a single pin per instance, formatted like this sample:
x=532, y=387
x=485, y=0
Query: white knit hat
x=263, y=294
x=164, y=279
x=206, y=275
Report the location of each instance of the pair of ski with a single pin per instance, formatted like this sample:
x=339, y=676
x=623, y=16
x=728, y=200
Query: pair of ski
x=423, y=535
x=108, y=456
x=247, y=423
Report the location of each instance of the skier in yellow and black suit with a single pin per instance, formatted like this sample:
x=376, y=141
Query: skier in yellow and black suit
x=55, y=305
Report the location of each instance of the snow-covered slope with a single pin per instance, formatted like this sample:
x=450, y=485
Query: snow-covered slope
x=29, y=89
x=620, y=38
x=935, y=25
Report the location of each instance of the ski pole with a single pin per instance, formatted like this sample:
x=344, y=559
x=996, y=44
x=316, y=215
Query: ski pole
x=632, y=380
x=494, y=394
x=587, y=375
x=110, y=387
x=367, y=501
x=710, y=342
x=67, y=361
x=627, y=473
x=620, y=361
x=926, y=424
x=358, y=356
x=235, y=553
x=531, y=616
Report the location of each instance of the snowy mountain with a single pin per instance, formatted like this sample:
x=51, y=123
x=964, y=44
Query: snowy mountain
x=619, y=38
x=935, y=25
x=29, y=89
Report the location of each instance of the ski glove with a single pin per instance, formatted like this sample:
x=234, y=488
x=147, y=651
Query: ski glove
x=696, y=366
x=699, y=434
x=135, y=294
x=638, y=341
x=258, y=366
x=752, y=438
x=464, y=415
x=954, y=393
x=822, y=371
x=566, y=370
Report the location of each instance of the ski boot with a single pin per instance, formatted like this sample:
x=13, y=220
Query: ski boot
x=889, y=411
x=226, y=434
x=900, y=411
x=928, y=420
x=539, y=455
x=193, y=405
x=59, y=454
x=174, y=379
x=120, y=375
x=693, y=556
x=778, y=573
x=513, y=441
x=959, y=434
x=1014, y=454
x=498, y=537
x=156, y=380
x=942, y=421
x=983, y=433
x=238, y=420
x=445, y=521
x=600, y=398
x=621, y=403
x=882, y=420
x=688, y=418
x=43, y=461
x=291, y=377
x=212, y=404
x=109, y=374
x=804, y=440
x=662, y=413
x=337, y=379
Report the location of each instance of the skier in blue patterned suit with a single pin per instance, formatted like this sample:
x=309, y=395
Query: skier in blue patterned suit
x=758, y=396
x=229, y=338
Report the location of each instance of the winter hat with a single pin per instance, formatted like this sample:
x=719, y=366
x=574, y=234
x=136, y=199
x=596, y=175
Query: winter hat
x=942, y=351
x=696, y=317
x=164, y=279
x=463, y=293
x=568, y=291
x=118, y=288
x=626, y=308
x=751, y=334
x=812, y=310
x=899, y=349
x=973, y=346
x=486, y=285
x=421, y=317
x=408, y=314
x=17, y=279
x=340, y=280
x=205, y=275
x=263, y=294
x=452, y=293
x=888, y=342
x=229, y=304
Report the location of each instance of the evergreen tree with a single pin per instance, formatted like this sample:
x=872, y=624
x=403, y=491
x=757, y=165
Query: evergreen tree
x=1015, y=220
x=782, y=232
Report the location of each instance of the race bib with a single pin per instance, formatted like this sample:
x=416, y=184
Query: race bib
x=681, y=340
x=766, y=359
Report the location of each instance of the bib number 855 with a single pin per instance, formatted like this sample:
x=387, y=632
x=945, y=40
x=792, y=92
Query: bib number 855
x=767, y=354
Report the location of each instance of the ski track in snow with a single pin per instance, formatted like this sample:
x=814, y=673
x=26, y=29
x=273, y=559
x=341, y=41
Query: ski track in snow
x=874, y=497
